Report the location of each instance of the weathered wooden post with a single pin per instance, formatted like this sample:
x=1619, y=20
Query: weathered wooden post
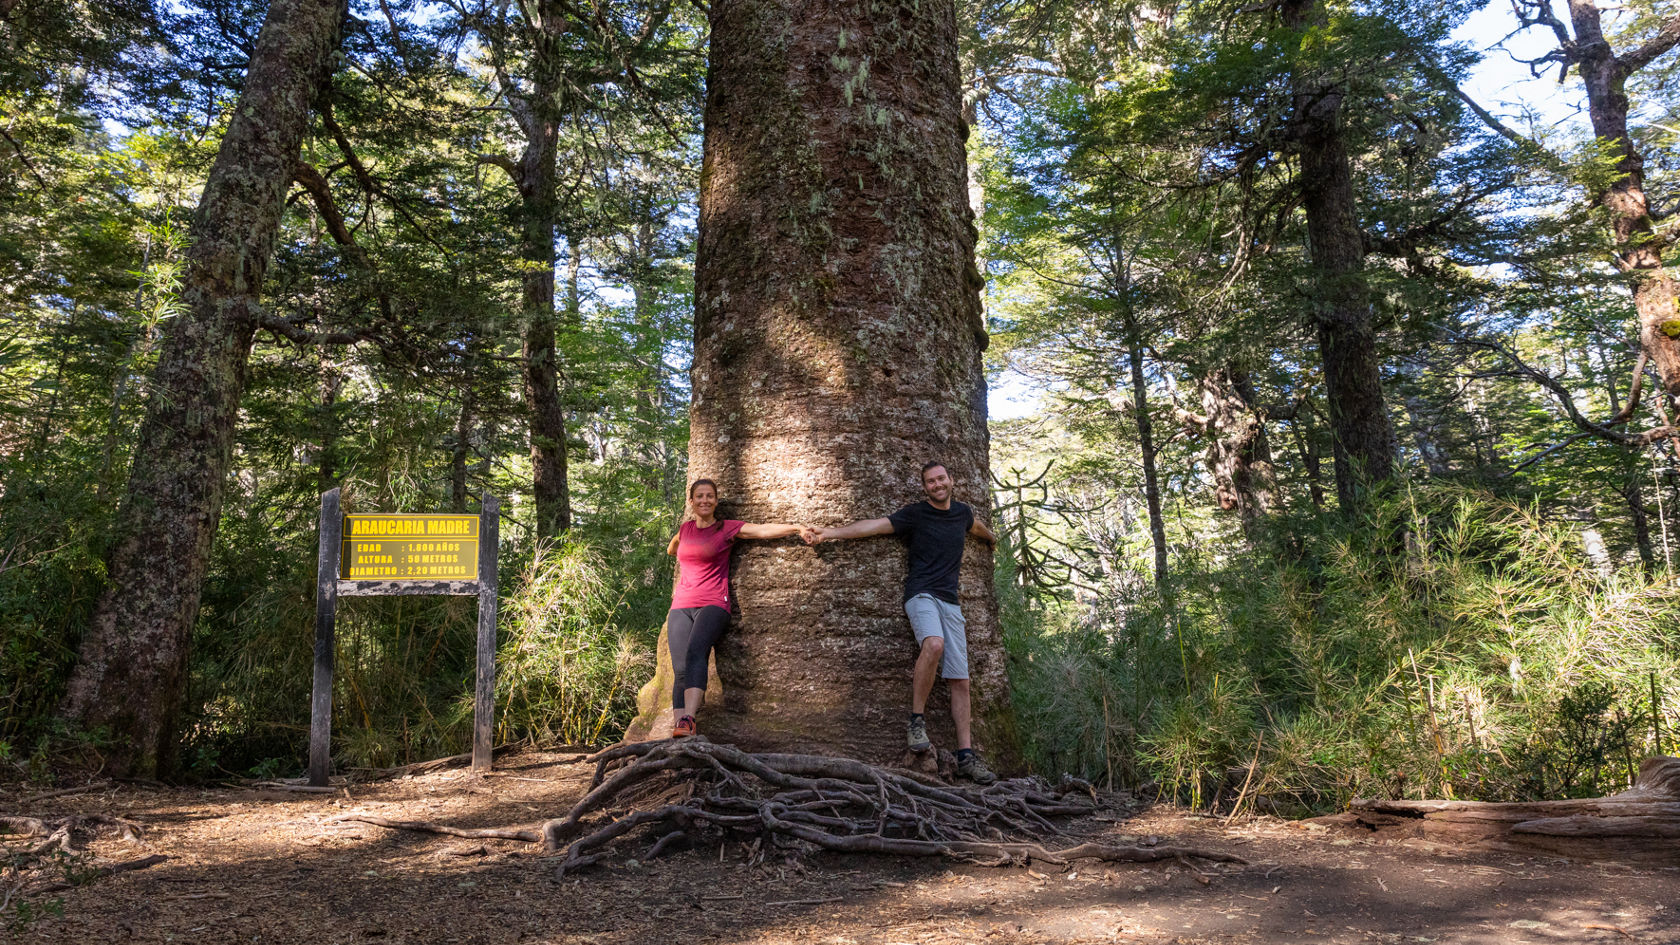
x=484, y=698
x=326, y=613
x=378, y=554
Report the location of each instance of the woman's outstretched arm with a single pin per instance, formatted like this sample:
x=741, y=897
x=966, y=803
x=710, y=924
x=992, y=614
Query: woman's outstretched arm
x=749, y=530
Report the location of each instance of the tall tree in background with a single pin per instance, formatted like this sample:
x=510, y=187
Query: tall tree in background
x=133, y=660
x=550, y=58
x=1637, y=245
x=837, y=348
x=1347, y=336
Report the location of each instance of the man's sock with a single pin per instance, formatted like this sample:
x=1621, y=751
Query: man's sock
x=964, y=753
x=915, y=715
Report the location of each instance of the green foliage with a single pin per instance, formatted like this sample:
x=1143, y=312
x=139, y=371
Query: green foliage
x=1448, y=643
x=569, y=665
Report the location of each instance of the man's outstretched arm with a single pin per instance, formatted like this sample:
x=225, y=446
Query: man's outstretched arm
x=862, y=528
x=980, y=531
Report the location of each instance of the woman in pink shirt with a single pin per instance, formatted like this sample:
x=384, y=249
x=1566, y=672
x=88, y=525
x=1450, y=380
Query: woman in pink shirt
x=700, y=604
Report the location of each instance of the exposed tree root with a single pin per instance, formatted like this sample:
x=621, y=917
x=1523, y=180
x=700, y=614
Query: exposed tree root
x=98, y=872
x=471, y=833
x=62, y=833
x=693, y=789
x=60, y=851
x=65, y=792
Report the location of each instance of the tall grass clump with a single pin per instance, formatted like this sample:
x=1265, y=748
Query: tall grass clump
x=571, y=655
x=1446, y=643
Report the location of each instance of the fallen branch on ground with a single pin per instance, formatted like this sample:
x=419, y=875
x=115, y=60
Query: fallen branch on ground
x=99, y=872
x=363, y=775
x=1639, y=824
x=471, y=833
x=802, y=803
x=66, y=792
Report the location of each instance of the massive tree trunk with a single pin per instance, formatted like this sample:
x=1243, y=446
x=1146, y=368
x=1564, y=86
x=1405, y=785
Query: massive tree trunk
x=132, y=667
x=837, y=348
x=1347, y=339
x=1639, y=248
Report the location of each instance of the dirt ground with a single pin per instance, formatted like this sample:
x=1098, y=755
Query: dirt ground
x=269, y=866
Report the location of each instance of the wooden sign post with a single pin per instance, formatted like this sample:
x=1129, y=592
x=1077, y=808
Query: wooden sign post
x=367, y=555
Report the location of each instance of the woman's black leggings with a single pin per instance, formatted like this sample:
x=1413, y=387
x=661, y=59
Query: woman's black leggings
x=692, y=632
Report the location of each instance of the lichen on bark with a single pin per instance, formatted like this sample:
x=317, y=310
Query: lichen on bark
x=131, y=667
x=837, y=348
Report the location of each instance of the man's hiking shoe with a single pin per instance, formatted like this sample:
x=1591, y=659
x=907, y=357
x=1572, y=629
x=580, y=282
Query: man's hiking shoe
x=971, y=768
x=917, y=735
x=685, y=727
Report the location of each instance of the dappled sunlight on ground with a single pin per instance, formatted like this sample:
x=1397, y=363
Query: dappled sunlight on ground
x=268, y=866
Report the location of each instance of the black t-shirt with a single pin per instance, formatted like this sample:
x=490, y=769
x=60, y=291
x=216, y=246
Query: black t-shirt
x=935, y=538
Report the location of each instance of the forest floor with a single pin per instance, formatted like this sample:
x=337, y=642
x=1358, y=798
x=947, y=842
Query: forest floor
x=260, y=865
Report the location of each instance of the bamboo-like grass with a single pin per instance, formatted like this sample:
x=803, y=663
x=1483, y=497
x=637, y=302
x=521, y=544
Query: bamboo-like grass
x=1447, y=643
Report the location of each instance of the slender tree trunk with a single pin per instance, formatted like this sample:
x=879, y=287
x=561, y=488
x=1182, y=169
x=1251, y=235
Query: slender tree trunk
x=1307, y=447
x=1362, y=431
x=837, y=347
x=326, y=469
x=132, y=667
x=462, y=447
x=1425, y=424
x=540, y=367
x=1146, y=445
x=132, y=358
x=1634, y=496
x=1639, y=248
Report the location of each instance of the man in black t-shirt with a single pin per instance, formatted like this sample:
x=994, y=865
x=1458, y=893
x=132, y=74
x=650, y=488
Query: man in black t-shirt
x=933, y=531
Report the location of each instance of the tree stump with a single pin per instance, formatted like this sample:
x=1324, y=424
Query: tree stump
x=1641, y=824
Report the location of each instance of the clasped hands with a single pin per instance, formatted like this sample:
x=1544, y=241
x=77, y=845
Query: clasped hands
x=813, y=535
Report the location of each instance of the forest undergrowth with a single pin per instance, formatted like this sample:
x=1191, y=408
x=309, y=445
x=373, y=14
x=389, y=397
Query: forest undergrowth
x=1447, y=643
x=578, y=621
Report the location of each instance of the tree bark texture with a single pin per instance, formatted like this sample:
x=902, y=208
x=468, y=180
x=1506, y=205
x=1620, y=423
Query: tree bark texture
x=1634, y=496
x=1146, y=447
x=1362, y=431
x=1638, y=248
x=837, y=348
x=540, y=354
x=1239, y=455
x=132, y=666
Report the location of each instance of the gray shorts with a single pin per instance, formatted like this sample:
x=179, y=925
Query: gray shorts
x=932, y=617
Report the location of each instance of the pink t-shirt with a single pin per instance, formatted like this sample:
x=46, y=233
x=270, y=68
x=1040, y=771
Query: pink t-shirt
x=703, y=564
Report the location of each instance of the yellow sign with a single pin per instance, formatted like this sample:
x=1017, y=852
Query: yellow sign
x=410, y=547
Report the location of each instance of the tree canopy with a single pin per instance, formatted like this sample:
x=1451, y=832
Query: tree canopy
x=1353, y=446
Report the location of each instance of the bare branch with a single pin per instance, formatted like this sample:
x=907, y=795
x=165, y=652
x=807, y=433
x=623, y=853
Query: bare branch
x=295, y=332
x=1668, y=35
x=305, y=174
x=24, y=157
x=1604, y=431
x=502, y=161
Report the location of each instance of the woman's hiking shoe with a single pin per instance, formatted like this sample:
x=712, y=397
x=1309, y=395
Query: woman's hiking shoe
x=685, y=727
x=971, y=768
x=917, y=735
